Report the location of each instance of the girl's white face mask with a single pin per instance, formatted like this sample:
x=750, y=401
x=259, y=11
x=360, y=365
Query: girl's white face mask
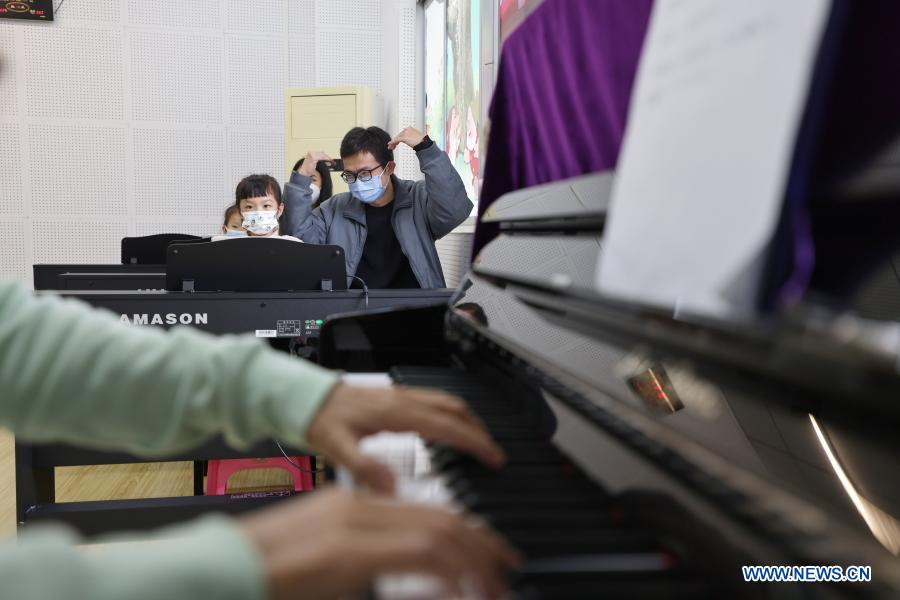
x=316, y=191
x=260, y=222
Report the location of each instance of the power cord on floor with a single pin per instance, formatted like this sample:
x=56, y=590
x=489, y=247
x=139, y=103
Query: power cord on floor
x=365, y=289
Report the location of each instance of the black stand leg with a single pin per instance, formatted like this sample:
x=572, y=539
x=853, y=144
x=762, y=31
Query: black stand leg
x=34, y=485
x=199, y=470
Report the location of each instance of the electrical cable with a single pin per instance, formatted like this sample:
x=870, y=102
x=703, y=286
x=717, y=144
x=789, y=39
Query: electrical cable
x=365, y=289
x=290, y=460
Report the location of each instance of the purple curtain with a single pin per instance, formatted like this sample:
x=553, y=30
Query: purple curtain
x=561, y=100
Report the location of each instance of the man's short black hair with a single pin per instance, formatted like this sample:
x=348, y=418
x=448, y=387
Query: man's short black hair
x=256, y=186
x=373, y=140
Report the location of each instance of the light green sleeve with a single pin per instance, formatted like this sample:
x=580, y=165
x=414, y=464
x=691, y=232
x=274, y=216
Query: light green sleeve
x=71, y=373
x=208, y=559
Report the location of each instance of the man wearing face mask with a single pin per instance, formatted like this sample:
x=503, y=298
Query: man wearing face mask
x=386, y=225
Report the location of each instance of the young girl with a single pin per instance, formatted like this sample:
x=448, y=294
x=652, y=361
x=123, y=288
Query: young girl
x=258, y=201
x=233, y=225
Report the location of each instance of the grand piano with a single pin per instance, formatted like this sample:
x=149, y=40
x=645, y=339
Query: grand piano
x=650, y=457
x=656, y=451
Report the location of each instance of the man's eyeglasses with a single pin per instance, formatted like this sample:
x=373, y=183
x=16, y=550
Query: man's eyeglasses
x=364, y=175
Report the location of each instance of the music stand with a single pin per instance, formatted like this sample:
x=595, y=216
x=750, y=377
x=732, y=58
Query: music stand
x=150, y=249
x=254, y=265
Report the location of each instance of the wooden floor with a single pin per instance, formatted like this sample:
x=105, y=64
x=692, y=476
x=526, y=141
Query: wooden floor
x=112, y=482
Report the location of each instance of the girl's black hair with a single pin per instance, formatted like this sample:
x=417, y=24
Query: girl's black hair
x=231, y=210
x=256, y=186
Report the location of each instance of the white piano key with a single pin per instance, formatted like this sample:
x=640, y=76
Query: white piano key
x=368, y=379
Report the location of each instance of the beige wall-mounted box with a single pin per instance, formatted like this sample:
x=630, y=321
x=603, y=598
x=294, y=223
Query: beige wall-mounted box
x=318, y=118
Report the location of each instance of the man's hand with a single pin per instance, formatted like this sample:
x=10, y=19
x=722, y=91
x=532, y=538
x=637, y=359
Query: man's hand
x=334, y=543
x=410, y=136
x=311, y=159
x=351, y=413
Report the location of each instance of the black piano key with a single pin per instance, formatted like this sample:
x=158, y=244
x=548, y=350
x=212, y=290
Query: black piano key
x=605, y=575
x=532, y=453
x=590, y=589
x=476, y=471
x=539, y=451
x=507, y=487
x=518, y=517
x=614, y=565
x=513, y=433
x=642, y=575
x=584, y=540
x=448, y=461
x=477, y=501
x=578, y=540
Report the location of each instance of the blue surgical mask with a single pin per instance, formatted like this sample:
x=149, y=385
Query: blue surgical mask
x=235, y=233
x=369, y=191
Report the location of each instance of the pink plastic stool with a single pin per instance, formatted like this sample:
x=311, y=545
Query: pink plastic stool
x=218, y=471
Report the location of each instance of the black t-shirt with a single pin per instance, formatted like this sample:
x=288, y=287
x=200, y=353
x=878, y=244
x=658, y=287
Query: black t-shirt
x=383, y=264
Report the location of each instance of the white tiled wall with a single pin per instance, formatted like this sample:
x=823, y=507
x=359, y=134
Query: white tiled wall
x=130, y=117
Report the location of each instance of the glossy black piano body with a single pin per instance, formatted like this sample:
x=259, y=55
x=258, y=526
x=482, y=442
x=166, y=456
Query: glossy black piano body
x=651, y=457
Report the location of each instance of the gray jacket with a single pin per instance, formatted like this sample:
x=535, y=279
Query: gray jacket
x=424, y=211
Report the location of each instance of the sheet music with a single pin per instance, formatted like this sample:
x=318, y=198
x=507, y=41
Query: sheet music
x=720, y=92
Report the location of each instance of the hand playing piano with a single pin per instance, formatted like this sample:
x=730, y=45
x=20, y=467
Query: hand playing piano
x=334, y=543
x=351, y=413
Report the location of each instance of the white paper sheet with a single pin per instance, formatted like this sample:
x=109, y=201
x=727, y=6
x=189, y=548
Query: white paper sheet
x=720, y=93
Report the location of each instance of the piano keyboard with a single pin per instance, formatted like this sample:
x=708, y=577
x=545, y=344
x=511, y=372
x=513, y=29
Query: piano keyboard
x=578, y=540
